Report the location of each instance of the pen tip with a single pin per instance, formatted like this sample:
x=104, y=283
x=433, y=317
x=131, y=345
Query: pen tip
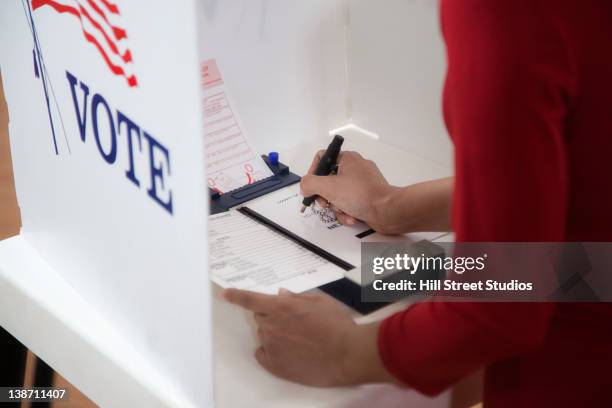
x=303, y=209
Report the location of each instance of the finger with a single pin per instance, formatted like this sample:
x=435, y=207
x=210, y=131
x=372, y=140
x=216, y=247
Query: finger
x=315, y=161
x=265, y=360
x=286, y=292
x=345, y=219
x=262, y=358
x=342, y=217
x=320, y=153
x=336, y=210
x=327, y=187
x=282, y=292
x=255, y=302
x=348, y=156
x=260, y=318
x=260, y=335
x=322, y=202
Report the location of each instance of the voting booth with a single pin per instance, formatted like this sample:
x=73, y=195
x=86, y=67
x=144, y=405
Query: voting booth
x=280, y=74
x=299, y=69
x=112, y=105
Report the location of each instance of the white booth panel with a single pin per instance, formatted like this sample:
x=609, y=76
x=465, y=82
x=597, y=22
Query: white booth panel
x=139, y=261
x=284, y=64
x=397, y=66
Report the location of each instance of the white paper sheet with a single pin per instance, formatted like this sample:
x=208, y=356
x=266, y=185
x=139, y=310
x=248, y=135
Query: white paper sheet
x=231, y=161
x=248, y=255
x=319, y=226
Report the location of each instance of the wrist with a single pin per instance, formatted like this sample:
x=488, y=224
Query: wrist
x=382, y=219
x=361, y=363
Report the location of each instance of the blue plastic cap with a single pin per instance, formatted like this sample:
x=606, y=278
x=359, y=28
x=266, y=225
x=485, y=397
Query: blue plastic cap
x=273, y=156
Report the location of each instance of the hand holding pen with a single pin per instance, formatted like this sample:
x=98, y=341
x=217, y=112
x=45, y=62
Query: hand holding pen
x=357, y=190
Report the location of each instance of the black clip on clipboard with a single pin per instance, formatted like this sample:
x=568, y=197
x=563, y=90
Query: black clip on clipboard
x=281, y=178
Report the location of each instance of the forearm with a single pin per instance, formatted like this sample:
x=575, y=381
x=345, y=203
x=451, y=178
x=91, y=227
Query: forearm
x=362, y=363
x=416, y=208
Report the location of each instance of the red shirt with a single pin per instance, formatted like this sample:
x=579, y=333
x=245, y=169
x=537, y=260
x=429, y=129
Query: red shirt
x=528, y=103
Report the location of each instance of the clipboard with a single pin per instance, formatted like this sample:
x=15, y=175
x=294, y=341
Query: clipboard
x=344, y=290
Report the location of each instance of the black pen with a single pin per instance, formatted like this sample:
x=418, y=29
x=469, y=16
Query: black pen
x=327, y=165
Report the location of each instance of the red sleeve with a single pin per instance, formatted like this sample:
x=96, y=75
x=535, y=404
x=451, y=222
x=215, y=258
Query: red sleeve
x=507, y=88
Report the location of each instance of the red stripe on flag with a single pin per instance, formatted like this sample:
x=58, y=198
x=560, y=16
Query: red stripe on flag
x=61, y=8
x=118, y=31
x=110, y=6
x=116, y=69
x=58, y=7
x=98, y=27
x=132, y=81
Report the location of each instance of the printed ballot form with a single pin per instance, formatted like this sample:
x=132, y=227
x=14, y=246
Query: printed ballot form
x=246, y=254
x=318, y=225
x=231, y=161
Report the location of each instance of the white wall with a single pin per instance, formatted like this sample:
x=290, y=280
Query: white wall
x=283, y=63
x=397, y=68
x=294, y=69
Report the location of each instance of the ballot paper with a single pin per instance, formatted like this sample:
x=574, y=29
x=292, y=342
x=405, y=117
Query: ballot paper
x=246, y=254
x=231, y=161
x=319, y=225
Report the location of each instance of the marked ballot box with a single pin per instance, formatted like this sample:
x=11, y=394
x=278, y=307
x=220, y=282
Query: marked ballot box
x=106, y=131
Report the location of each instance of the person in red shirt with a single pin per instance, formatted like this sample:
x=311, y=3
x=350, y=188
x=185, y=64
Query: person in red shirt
x=527, y=103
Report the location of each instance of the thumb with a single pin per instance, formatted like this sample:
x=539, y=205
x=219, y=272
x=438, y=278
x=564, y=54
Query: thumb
x=302, y=296
x=324, y=186
x=287, y=292
x=284, y=292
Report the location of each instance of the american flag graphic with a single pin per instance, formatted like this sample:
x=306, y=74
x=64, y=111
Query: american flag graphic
x=100, y=23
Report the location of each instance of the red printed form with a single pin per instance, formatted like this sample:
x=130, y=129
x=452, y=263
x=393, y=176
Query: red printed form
x=231, y=161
